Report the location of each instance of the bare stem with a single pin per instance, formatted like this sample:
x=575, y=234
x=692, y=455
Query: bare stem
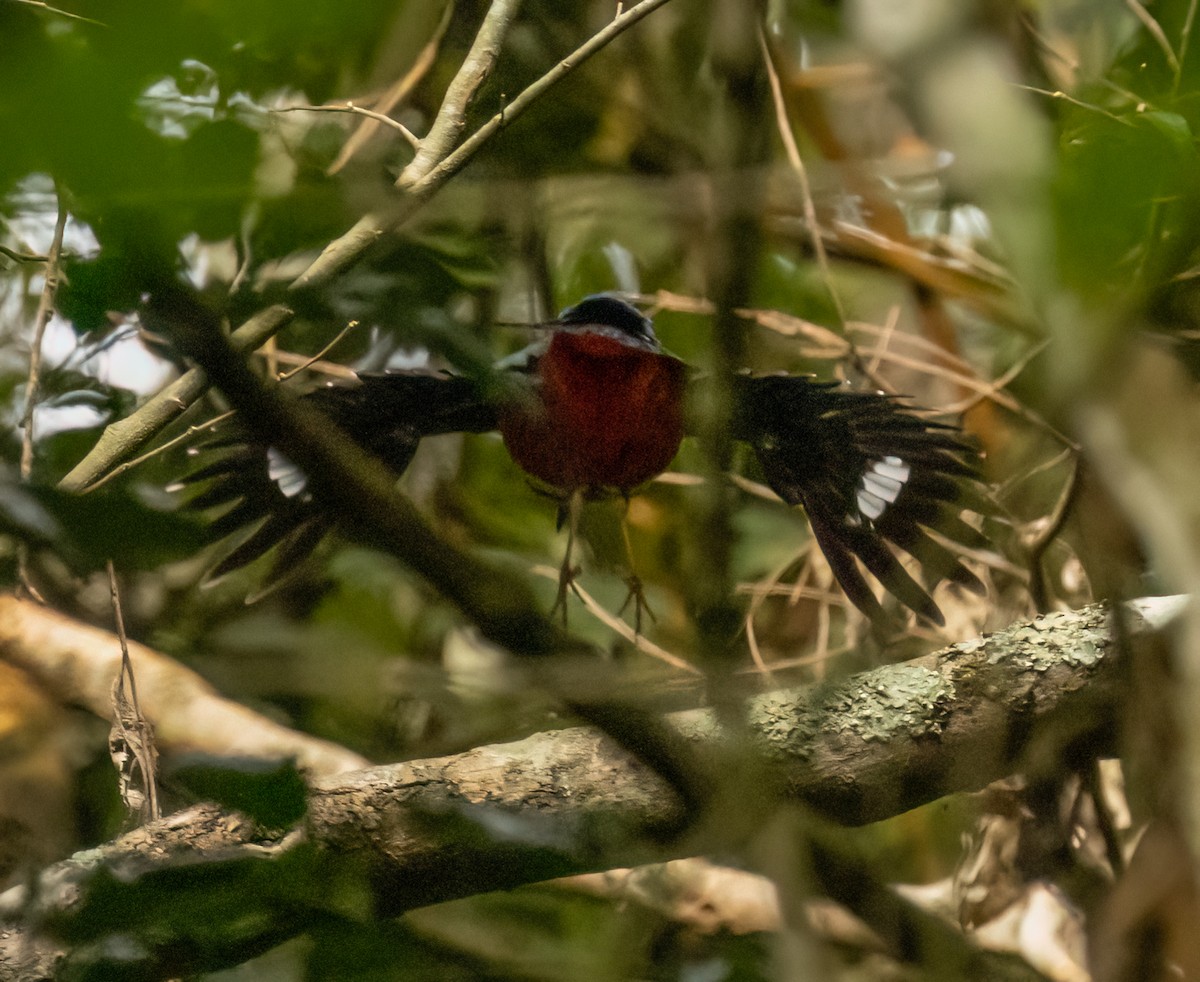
x=132, y=739
x=44, y=309
x=351, y=108
x=397, y=93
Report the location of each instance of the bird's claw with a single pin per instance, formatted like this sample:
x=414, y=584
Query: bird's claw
x=638, y=596
x=566, y=582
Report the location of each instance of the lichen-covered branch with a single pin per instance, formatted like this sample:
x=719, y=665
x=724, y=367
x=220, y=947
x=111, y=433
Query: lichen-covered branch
x=569, y=801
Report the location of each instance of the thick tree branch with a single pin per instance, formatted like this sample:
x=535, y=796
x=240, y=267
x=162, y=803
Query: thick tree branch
x=569, y=801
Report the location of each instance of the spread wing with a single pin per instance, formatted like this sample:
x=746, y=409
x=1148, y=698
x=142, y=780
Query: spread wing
x=387, y=414
x=871, y=473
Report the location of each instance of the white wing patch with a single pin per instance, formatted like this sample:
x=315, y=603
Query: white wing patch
x=285, y=474
x=881, y=485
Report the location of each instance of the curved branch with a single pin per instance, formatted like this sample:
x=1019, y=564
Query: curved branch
x=79, y=663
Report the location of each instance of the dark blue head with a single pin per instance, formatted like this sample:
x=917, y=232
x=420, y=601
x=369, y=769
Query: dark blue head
x=605, y=311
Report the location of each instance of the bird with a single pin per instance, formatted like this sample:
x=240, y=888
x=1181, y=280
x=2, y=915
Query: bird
x=597, y=408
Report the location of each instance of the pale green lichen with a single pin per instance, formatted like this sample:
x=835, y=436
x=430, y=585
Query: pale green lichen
x=887, y=703
x=1076, y=638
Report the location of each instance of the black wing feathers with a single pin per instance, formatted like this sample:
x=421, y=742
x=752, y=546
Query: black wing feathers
x=871, y=473
x=386, y=413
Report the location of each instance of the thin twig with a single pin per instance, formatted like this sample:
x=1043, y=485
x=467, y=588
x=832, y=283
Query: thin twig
x=351, y=108
x=1051, y=526
x=1005, y=489
x=1156, y=32
x=41, y=4
x=44, y=310
x=1071, y=63
x=22, y=257
x=1015, y=369
x=618, y=626
x=319, y=355
x=1093, y=781
x=132, y=739
x=187, y=434
x=919, y=341
x=796, y=162
x=396, y=94
x=887, y=334
x=759, y=593
x=1185, y=37
x=321, y=366
x=1065, y=97
x=816, y=235
x=790, y=591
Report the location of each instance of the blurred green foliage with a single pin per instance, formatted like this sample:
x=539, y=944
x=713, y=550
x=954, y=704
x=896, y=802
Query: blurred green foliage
x=157, y=127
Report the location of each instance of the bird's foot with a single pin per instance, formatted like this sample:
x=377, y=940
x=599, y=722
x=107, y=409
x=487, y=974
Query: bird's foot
x=566, y=583
x=636, y=596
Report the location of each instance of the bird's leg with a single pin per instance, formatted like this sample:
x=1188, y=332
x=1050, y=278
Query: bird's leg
x=633, y=581
x=569, y=511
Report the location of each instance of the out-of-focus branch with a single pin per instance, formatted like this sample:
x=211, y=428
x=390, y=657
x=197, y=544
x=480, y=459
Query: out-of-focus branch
x=570, y=801
x=362, y=491
x=79, y=663
x=736, y=153
x=124, y=438
x=45, y=308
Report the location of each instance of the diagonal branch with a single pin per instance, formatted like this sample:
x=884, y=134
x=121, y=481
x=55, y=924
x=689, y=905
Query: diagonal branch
x=476, y=68
x=347, y=250
x=124, y=438
x=78, y=663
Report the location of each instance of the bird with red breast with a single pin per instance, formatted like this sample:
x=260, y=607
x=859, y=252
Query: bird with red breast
x=597, y=408
x=599, y=411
